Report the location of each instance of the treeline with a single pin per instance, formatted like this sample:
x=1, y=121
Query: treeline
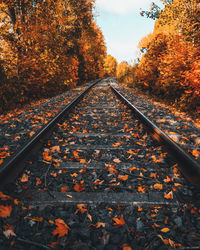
x=47, y=47
x=170, y=63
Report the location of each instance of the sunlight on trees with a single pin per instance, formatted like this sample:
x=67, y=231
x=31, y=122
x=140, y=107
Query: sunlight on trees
x=47, y=47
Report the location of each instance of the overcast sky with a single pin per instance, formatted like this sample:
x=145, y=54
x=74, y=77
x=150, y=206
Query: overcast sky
x=122, y=26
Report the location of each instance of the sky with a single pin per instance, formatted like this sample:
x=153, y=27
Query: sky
x=123, y=27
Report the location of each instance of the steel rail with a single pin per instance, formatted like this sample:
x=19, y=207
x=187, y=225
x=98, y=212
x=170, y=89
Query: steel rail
x=12, y=167
x=189, y=167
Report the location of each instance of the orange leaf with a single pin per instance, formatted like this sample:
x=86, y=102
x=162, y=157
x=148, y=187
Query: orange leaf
x=82, y=160
x=55, y=149
x=38, y=181
x=168, y=179
x=131, y=152
x=169, y=196
x=141, y=189
x=132, y=168
x=119, y=222
x=46, y=156
x=196, y=153
x=81, y=208
x=100, y=224
x=165, y=230
x=75, y=153
x=4, y=197
x=126, y=247
x=5, y=211
x=123, y=177
x=63, y=189
x=79, y=187
x=61, y=229
x=153, y=175
x=74, y=175
x=24, y=178
x=158, y=186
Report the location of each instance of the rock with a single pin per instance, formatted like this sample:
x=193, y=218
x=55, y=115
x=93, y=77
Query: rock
x=139, y=226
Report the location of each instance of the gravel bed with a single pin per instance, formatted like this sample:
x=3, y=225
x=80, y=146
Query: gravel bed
x=18, y=126
x=179, y=126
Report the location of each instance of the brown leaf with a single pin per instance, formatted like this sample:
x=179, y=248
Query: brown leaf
x=4, y=197
x=63, y=189
x=81, y=208
x=55, y=149
x=116, y=160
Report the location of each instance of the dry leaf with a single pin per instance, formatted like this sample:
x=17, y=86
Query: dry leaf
x=196, y=153
x=123, y=177
x=38, y=181
x=116, y=160
x=4, y=197
x=168, y=196
x=63, y=189
x=158, y=186
x=126, y=247
x=24, y=178
x=82, y=160
x=81, y=208
x=55, y=149
x=165, y=230
x=119, y=222
x=5, y=211
x=100, y=224
x=141, y=189
x=9, y=233
x=89, y=216
x=79, y=187
x=46, y=156
x=61, y=229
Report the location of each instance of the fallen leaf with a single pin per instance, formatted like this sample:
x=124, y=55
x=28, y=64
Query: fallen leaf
x=116, y=160
x=158, y=186
x=61, y=229
x=119, y=222
x=38, y=181
x=79, y=187
x=46, y=156
x=164, y=240
x=89, y=216
x=38, y=219
x=24, y=178
x=5, y=211
x=168, y=196
x=132, y=168
x=126, y=247
x=82, y=160
x=4, y=197
x=81, y=208
x=100, y=224
x=55, y=149
x=153, y=175
x=196, y=153
x=141, y=189
x=123, y=177
x=165, y=230
x=9, y=233
x=63, y=189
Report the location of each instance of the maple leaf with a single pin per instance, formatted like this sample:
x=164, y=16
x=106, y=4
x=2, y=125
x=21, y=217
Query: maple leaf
x=119, y=222
x=79, y=187
x=5, y=211
x=123, y=177
x=168, y=196
x=8, y=233
x=61, y=229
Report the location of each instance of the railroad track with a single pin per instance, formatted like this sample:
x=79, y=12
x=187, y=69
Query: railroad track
x=94, y=179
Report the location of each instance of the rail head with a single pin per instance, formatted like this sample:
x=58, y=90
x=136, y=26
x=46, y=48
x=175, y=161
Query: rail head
x=187, y=165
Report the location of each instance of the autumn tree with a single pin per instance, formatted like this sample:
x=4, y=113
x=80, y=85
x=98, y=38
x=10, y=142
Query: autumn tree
x=124, y=73
x=110, y=65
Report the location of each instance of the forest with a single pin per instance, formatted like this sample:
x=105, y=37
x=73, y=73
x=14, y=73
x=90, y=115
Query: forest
x=46, y=48
x=170, y=64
